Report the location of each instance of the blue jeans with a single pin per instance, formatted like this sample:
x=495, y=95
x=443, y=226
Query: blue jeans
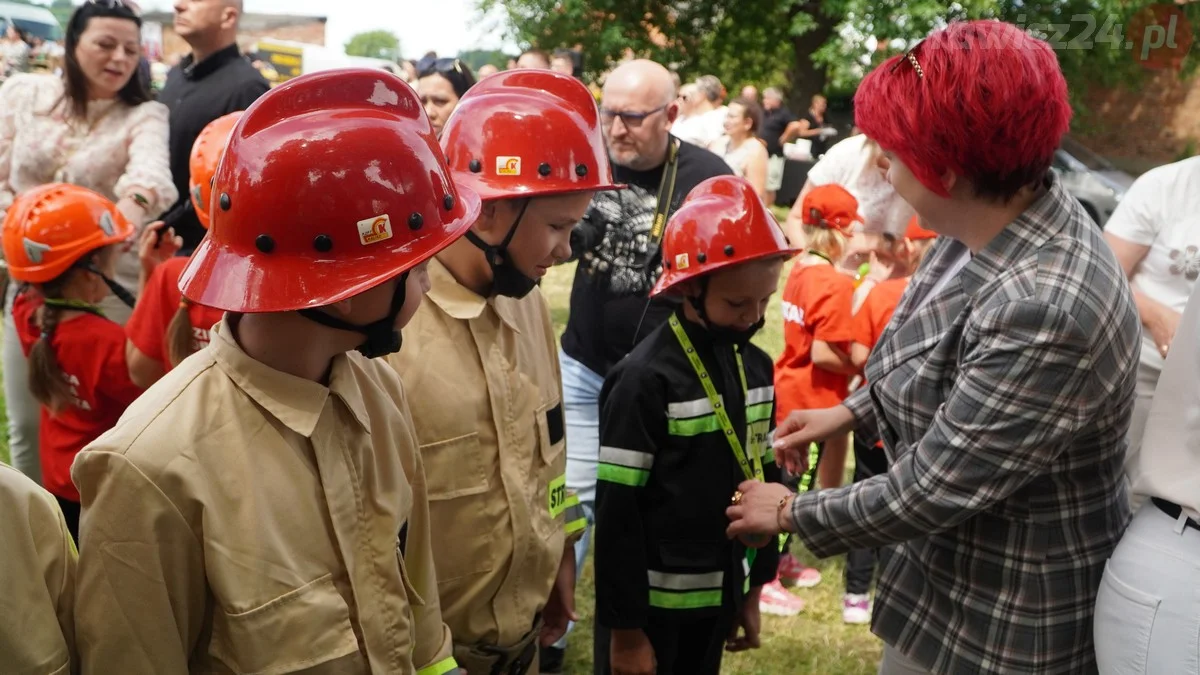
x=581, y=407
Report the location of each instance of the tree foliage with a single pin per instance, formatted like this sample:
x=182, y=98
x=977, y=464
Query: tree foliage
x=475, y=58
x=810, y=46
x=377, y=44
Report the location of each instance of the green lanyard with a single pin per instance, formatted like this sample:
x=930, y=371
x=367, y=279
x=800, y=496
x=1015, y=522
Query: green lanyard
x=752, y=468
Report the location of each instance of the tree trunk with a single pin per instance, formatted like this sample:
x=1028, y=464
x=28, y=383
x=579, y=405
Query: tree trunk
x=807, y=77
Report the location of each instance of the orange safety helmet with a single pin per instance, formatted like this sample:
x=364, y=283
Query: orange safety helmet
x=525, y=133
x=202, y=165
x=50, y=228
x=331, y=184
x=721, y=223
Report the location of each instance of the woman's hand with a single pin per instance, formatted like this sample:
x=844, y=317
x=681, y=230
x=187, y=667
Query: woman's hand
x=1161, y=323
x=804, y=427
x=756, y=514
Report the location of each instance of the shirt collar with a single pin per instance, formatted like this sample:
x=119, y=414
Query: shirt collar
x=462, y=303
x=294, y=401
x=198, y=71
x=1045, y=218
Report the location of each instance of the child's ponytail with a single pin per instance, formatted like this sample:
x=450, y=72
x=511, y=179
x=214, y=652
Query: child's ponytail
x=47, y=382
x=179, y=334
x=826, y=241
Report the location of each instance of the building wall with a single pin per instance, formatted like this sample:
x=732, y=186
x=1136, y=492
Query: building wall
x=1153, y=123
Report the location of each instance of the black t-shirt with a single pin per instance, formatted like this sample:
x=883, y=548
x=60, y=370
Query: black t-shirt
x=819, y=144
x=197, y=94
x=773, y=125
x=618, y=267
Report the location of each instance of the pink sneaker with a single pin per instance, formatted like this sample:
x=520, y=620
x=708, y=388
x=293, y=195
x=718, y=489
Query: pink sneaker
x=795, y=575
x=778, y=601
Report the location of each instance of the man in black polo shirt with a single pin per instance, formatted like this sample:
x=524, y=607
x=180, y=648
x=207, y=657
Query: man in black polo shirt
x=776, y=118
x=214, y=80
x=619, y=257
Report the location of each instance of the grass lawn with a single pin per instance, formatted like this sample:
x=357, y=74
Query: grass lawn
x=815, y=642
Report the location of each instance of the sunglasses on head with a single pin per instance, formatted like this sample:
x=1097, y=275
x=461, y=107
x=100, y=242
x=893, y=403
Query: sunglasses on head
x=117, y=4
x=429, y=65
x=910, y=57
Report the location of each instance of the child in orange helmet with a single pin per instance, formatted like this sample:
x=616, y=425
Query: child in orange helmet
x=61, y=242
x=166, y=327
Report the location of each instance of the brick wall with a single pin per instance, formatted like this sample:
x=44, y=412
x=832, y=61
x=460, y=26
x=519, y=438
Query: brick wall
x=1151, y=123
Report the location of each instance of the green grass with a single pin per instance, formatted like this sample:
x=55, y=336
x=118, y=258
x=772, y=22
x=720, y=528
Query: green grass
x=815, y=642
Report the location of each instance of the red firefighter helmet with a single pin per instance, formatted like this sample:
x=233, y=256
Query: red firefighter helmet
x=331, y=184
x=525, y=133
x=202, y=164
x=50, y=228
x=721, y=223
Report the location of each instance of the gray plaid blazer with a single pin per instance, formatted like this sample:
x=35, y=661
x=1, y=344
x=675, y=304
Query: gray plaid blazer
x=1003, y=404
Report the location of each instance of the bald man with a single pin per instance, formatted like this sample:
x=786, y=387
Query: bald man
x=211, y=81
x=619, y=258
x=750, y=93
x=487, y=69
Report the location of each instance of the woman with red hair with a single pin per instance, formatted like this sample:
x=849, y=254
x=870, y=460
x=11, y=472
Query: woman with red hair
x=1001, y=389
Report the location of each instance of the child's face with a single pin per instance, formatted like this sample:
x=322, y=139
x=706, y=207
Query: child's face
x=92, y=287
x=737, y=296
x=859, y=247
x=373, y=304
x=543, y=238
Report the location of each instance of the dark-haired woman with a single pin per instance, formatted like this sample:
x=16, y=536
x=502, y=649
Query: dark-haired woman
x=95, y=127
x=440, y=83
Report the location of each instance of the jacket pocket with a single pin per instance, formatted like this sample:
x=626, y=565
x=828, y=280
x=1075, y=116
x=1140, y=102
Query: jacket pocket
x=550, y=470
x=455, y=467
x=1123, y=624
x=298, y=630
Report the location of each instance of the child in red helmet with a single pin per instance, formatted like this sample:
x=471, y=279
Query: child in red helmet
x=490, y=418
x=61, y=242
x=262, y=508
x=166, y=327
x=686, y=418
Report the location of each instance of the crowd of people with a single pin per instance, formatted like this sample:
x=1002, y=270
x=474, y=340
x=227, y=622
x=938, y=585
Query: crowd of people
x=284, y=395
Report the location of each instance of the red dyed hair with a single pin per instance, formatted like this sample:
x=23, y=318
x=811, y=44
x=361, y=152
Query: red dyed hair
x=984, y=99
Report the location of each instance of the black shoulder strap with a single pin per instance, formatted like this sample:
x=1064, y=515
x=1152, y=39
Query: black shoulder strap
x=666, y=191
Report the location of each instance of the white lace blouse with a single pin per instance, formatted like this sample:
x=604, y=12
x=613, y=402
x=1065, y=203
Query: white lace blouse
x=117, y=151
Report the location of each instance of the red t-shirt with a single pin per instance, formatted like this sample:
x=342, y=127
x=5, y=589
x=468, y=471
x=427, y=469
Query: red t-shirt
x=876, y=311
x=816, y=306
x=91, y=352
x=147, y=327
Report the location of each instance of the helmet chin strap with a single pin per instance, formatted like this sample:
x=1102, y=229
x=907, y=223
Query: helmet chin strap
x=117, y=289
x=722, y=334
x=507, y=280
x=382, y=336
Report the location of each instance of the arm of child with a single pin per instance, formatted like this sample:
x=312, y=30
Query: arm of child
x=433, y=651
x=142, y=572
x=832, y=328
x=146, y=330
x=632, y=426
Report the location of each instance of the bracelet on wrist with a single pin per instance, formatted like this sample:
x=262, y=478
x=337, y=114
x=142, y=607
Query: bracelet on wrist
x=784, y=506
